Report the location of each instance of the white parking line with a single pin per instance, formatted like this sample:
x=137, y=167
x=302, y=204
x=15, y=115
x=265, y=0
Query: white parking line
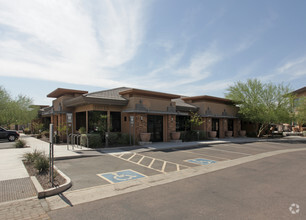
x=131, y=157
x=228, y=151
x=151, y=163
x=162, y=170
x=164, y=166
x=140, y=160
x=245, y=147
x=206, y=155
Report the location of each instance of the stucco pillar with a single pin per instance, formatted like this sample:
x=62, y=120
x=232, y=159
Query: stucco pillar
x=221, y=128
x=87, y=121
x=108, y=121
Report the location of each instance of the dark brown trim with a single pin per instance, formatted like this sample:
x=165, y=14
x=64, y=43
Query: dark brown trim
x=61, y=91
x=82, y=100
x=208, y=98
x=149, y=93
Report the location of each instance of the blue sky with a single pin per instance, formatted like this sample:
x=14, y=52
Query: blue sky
x=182, y=47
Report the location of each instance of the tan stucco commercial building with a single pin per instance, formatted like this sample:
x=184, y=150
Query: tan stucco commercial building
x=152, y=112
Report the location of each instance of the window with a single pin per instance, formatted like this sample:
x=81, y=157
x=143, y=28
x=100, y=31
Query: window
x=80, y=120
x=183, y=123
x=115, y=121
x=97, y=120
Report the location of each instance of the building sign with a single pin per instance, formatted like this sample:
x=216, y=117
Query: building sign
x=69, y=117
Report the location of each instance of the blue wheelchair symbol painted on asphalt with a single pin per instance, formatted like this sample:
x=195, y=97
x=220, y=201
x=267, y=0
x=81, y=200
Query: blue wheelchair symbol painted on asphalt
x=120, y=176
x=201, y=161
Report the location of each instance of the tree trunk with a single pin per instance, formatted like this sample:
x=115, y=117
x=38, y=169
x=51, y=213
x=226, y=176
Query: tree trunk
x=261, y=129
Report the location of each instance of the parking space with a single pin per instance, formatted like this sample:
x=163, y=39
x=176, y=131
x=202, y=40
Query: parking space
x=84, y=171
x=124, y=166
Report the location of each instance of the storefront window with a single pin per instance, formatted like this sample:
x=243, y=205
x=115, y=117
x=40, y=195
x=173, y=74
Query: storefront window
x=183, y=123
x=115, y=121
x=96, y=119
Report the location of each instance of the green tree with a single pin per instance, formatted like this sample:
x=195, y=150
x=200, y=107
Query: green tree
x=15, y=111
x=262, y=103
x=195, y=120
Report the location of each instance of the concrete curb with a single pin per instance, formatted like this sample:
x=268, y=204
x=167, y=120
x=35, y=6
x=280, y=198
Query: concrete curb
x=41, y=193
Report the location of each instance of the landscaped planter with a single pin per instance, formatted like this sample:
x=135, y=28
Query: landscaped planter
x=242, y=133
x=229, y=133
x=175, y=135
x=145, y=137
x=213, y=134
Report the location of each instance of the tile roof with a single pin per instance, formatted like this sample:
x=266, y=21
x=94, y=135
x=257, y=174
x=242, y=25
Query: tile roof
x=179, y=102
x=108, y=94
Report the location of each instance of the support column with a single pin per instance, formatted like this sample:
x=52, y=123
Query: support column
x=108, y=121
x=86, y=122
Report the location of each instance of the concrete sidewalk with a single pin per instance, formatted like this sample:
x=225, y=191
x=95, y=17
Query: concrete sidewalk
x=11, y=166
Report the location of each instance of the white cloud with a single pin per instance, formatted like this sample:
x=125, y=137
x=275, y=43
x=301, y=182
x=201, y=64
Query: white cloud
x=65, y=41
x=198, y=68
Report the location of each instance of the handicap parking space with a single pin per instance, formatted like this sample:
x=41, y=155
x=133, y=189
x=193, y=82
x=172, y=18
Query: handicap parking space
x=201, y=161
x=121, y=176
x=84, y=171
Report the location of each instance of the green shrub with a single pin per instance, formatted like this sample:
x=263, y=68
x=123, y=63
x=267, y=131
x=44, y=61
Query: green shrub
x=94, y=140
x=203, y=135
x=38, y=136
x=45, y=134
x=189, y=136
x=117, y=138
x=123, y=139
x=42, y=164
x=20, y=143
x=31, y=157
x=82, y=130
x=27, y=131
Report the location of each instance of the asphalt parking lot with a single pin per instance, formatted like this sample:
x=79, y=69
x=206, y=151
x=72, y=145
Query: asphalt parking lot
x=99, y=170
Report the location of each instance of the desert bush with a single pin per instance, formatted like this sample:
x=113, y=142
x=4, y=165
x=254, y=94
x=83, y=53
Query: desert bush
x=27, y=131
x=41, y=164
x=31, y=157
x=20, y=143
x=38, y=136
x=45, y=134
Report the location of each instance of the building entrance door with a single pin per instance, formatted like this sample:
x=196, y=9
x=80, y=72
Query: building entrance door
x=215, y=125
x=155, y=127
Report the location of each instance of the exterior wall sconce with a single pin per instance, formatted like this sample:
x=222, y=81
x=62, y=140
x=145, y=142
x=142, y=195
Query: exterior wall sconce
x=141, y=118
x=171, y=118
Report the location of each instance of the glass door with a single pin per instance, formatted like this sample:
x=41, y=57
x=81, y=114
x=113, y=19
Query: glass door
x=155, y=127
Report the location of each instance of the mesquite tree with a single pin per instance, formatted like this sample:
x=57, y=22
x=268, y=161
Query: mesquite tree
x=262, y=103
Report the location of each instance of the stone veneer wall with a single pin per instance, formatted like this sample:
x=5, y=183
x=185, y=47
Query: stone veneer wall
x=171, y=125
x=237, y=127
